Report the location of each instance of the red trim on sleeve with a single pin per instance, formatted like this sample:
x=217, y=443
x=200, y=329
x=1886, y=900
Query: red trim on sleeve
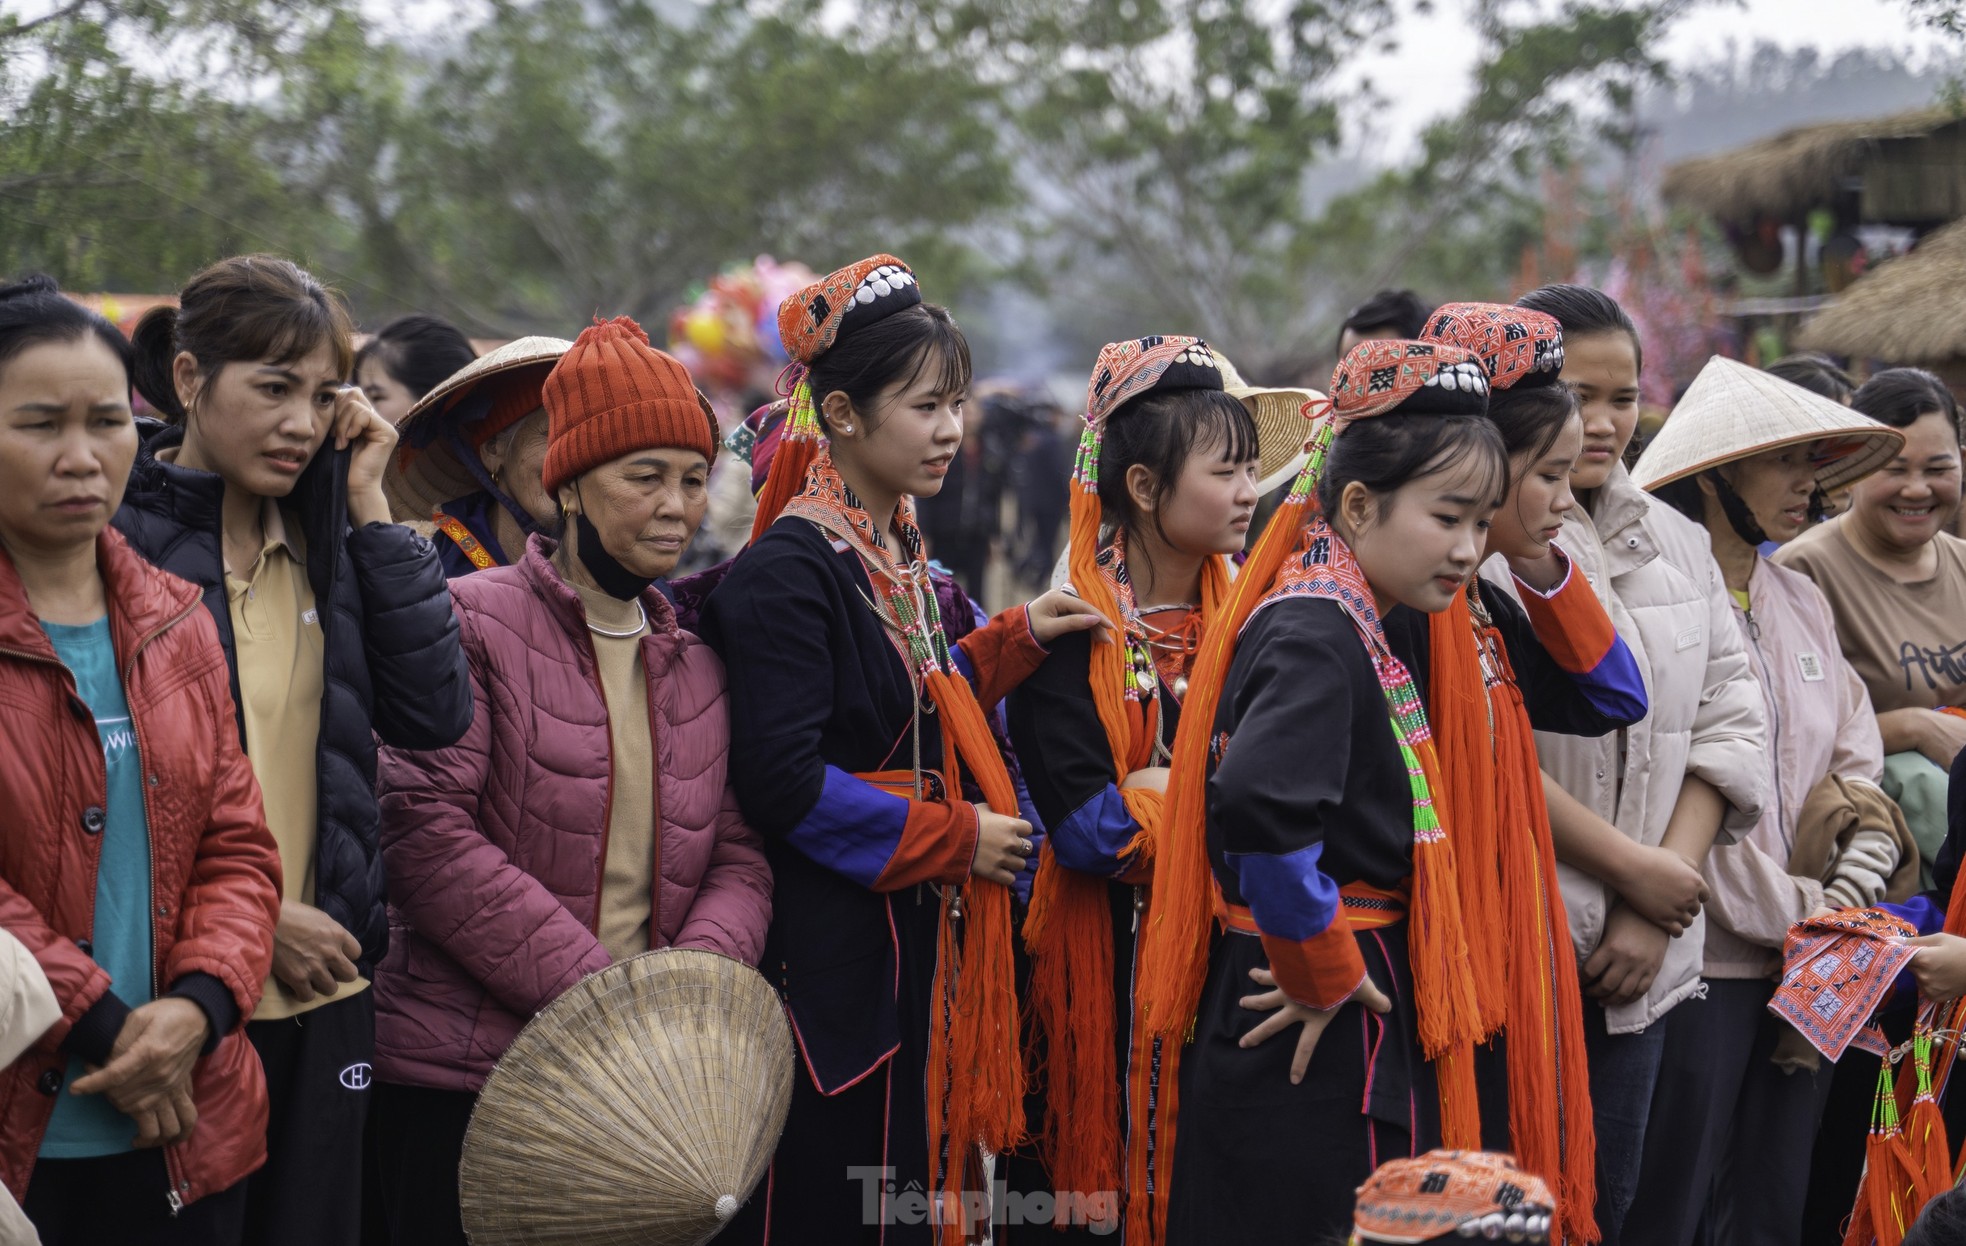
x=1570, y=623
x=1004, y=652
x=938, y=845
x=1319, y=972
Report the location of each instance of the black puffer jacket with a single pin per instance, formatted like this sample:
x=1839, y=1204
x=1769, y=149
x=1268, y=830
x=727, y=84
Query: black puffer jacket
x=394, y=667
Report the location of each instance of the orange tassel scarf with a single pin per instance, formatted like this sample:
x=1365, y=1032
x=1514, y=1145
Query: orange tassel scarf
x=1523, y=962
x=1069, y=929
x=1174, y=947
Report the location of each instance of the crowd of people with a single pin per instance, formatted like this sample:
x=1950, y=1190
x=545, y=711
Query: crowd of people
x=1401, y=777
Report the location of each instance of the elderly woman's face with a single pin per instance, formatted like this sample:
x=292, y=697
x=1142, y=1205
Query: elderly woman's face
x=646, y=506
x=1905, y=505
x=516, y=459
x=67, y=440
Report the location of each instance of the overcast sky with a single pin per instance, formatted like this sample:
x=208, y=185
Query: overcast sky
x=1428, y=75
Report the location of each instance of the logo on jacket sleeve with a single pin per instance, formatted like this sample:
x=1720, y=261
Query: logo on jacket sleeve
x=356, y=1076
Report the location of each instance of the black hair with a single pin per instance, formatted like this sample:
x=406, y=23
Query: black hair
x=1388, y=451
x=34, y=312
x=1402, y=311
x=1531, y=418
x=1942, y=1223
x=894, y=349
x=420, y=351
x=1159, y=430
x=1898, y=396
x=1584, y=312
x=1816, y=373
x=247, y=308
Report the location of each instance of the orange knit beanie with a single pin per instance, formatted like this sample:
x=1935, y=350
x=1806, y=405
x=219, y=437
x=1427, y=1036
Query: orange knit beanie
x=614, y=393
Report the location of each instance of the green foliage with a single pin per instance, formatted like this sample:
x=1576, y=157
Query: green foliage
x=1947, y=19
x=1141, y=164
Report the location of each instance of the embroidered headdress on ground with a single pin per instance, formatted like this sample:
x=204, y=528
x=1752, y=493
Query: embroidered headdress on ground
x=1470, y=1194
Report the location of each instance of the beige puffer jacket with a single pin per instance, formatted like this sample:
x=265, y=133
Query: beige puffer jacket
x=1654, y=569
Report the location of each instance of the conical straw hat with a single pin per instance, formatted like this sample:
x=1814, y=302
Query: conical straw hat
x=641, y=1106
x=1283, y=431
x=425, y=472
x=1732, y=411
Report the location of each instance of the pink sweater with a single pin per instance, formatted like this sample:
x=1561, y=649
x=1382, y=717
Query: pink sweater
x=495, y=846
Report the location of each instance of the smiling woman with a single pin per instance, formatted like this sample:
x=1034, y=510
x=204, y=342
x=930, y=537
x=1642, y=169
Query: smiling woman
x=265, y=492
x=1895, y=577
x=144, y=884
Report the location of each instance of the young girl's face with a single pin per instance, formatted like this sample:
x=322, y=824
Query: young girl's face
x=1539, y=497
x=1209, y=506
x=391, y=398
x=1603, y=369
x=1419, y=544
x=907, y=442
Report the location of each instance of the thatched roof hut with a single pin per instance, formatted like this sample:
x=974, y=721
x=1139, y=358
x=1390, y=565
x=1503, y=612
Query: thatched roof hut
x=1904, y=311
x=1795, y=172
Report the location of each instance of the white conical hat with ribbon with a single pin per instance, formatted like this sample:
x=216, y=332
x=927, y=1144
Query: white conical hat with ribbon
x=1732, y=411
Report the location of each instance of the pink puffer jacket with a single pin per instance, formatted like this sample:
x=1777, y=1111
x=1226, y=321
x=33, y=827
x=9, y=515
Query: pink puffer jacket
x=494, y=847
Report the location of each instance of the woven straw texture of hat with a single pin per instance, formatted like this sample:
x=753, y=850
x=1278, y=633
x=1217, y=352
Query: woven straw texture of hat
x=1731, y=411
x=642, y=1107
x=1282, y=428
x=417, y=482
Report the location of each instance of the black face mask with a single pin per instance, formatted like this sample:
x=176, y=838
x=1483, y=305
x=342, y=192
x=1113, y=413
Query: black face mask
x=615, y=580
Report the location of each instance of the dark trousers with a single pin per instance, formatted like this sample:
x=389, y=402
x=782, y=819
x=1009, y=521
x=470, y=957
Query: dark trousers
x=1727, y=1150
x=318, y=1070
x=122, y=1199
x=419, y=1140
x=1624, y=1069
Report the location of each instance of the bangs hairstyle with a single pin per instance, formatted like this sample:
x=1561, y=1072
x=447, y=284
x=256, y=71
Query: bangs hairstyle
x=901, y=349
x=1530, y=420
x=247, y=309
x=34, y=312
x=1160, y=430
x=1388, y=452
x=1898, y=396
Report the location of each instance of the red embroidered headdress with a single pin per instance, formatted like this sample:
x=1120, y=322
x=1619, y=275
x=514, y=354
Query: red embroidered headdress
x=1472, y=1194
x=810, y=323
x=1492, y=793
x=1299, y=553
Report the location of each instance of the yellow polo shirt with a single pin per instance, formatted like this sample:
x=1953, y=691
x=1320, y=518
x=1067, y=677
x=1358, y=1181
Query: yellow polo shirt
x=276, y=635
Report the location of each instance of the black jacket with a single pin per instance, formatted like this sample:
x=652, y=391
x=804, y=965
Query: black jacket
x=386, y=625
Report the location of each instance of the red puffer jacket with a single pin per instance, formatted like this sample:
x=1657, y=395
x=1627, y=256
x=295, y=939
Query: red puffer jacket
x=495, y=846
x=214, y=867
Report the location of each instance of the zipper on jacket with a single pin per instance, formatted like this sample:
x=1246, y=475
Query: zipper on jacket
x=1774, y=715
x=173, y=1176
x=655, y=796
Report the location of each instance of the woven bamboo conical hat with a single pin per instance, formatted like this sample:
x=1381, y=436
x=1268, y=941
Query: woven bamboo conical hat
x=641, y=1106
x=1283, y=431
x=1731, y=411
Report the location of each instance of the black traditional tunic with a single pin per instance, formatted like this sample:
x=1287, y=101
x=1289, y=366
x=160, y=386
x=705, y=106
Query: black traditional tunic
x=1306, y=780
